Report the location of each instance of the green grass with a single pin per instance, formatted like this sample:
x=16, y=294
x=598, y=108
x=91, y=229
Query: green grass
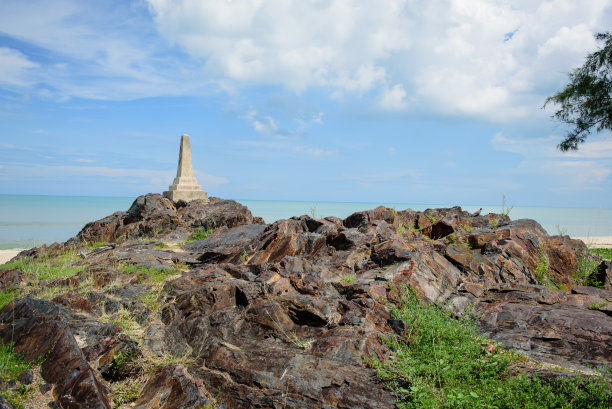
x=48, y=268
x=8, y=295
x=96, y=244
x=11, y=365
x=606, y=254
x=200, y=234
x=158, y=275
x=446, y=363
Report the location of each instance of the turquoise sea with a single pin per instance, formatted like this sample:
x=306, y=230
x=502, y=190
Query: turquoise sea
x=27, y=221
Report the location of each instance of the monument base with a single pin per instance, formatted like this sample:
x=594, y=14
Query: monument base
x=186, y=195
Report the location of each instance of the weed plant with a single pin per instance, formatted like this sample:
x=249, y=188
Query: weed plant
x=541, y=271
x=349, y=278
x=443, y=362
x=585, y=273
x=199, y=234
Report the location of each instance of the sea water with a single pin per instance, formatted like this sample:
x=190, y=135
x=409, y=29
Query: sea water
x=28, y=221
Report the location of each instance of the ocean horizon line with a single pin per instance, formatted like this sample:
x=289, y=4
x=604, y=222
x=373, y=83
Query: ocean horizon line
x=509, y=204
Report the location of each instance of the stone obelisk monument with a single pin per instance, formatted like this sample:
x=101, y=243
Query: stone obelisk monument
x=185, y=185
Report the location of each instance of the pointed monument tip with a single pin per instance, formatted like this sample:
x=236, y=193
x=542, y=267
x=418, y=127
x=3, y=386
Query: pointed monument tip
x=185, y=185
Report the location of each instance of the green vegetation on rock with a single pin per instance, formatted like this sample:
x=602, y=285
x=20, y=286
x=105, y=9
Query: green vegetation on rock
x=200, y=234
x=443, y=362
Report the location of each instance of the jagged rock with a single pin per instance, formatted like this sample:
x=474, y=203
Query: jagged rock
x=153, y=215
x=38, y=329
x=282, y=315
x=10, y=278
x=172, y=388
x=226, y=245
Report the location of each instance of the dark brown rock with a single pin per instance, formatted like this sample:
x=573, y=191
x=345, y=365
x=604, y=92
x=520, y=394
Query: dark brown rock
x=153, y=215
x=170, y=388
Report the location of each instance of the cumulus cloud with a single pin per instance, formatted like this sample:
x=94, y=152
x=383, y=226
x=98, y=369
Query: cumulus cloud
x=486, y=58
x=393, y=98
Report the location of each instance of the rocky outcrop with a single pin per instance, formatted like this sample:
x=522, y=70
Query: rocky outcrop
x=155, y=216
x=282, y=315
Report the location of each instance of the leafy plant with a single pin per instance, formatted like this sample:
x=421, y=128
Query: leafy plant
x=429, y=214
x=598, y=305
x=541, y=271
x=244, y=257
x=585, y=272
x=443, y=362
x=199, y=234
x=349, y=278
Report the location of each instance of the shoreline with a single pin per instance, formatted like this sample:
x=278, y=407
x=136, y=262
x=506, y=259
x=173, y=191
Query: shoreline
x=604, y=242
x=6, y=255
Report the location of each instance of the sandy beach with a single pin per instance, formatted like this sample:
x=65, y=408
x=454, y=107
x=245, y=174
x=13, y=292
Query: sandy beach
x=6, y=255
x=600, y=241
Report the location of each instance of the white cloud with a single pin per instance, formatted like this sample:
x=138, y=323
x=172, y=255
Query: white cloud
x=394, y=98
x=15, y=68
x=83, y=160
x=448, y=56
x=261, y=123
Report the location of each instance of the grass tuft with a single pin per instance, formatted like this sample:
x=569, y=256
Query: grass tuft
x=199, y=234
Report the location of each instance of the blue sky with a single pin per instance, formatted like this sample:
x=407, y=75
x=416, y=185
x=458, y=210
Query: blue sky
x=388, y=101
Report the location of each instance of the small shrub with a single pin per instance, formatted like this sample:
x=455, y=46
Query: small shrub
x=244, y=257
x=429, y=214
x=349, y=278
x=561, y=231
x=585, y=273
x=541, y=272
x=451, y=239
x=200, y=234
x=598, y=305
